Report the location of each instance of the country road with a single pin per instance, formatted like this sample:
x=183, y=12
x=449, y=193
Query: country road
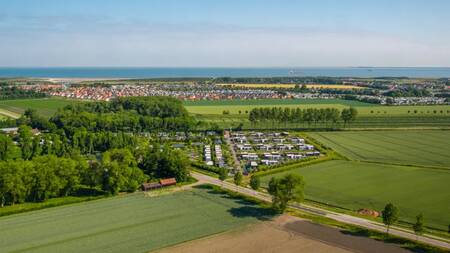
x=348, y=219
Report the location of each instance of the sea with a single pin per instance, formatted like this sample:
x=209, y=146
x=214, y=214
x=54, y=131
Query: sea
x=152, y=72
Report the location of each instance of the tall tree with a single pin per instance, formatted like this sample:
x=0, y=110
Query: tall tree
x=255, y=182
x=390, y=215
x=26, y=142
x=7, y=148
x=349, y=115
x=238, y=178
x=418, y=227
x=223, y=173
x=286, y=189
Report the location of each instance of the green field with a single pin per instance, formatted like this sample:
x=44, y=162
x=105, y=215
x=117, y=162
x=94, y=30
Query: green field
x=369, y=110
x=278, y=102
x=234, y=120
x=377, y=173
x=356, y=185
x=44, y=106
x=424, y=148
x=131, y=223
x=369, y=115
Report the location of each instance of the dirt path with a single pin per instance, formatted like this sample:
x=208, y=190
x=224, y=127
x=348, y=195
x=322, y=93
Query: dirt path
x=284, y=234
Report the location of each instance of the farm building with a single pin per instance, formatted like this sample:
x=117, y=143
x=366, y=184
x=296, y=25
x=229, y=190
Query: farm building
x=162, y=183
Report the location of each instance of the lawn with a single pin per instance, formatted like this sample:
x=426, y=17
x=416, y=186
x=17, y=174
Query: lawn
x=356, y=185
x=424, y=148
x=44, y=106
x=129, y=223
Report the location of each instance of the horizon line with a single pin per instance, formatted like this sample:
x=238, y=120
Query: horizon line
x=224, y=67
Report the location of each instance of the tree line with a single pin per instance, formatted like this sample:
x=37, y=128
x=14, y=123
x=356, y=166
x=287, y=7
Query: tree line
x=13, y=92
x=83, y=152
x=133, y=114
x=327, y=116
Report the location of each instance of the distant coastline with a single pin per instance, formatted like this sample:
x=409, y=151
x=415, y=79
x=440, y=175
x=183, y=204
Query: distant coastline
x=96, y=73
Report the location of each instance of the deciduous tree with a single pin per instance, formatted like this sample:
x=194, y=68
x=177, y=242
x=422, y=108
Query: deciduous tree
x=390, y=215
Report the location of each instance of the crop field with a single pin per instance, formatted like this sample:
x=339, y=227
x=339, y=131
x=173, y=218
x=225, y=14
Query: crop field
x=291, y=86
x=364, y=109
x=354, y=185
x=129, y=223
x=227, y=121
x=44, y=106
x=275, y=102
x=369, y=115
x=424, y=148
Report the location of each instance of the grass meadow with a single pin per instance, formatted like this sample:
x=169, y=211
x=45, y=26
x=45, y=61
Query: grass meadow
x=128, y=223
x=354, y=185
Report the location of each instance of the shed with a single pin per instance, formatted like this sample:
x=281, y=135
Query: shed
x=168, y=181
x=150, y=186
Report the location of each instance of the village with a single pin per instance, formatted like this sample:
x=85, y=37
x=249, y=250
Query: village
x=197, y=90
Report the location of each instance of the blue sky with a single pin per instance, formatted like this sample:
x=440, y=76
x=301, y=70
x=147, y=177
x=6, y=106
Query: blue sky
x=230, y=33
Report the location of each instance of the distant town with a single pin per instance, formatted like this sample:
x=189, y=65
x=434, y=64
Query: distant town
x=391, y=91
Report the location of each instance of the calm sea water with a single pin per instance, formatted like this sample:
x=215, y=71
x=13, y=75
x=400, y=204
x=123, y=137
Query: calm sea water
x=97, y=72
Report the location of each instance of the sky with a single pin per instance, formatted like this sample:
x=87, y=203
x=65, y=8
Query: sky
x=224, y=33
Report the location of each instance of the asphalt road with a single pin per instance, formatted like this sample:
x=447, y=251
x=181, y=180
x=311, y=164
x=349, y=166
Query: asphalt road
x=348, y=219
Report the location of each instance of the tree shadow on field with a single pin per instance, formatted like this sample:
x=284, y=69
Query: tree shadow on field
x=262, y=214
x=246, y=209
